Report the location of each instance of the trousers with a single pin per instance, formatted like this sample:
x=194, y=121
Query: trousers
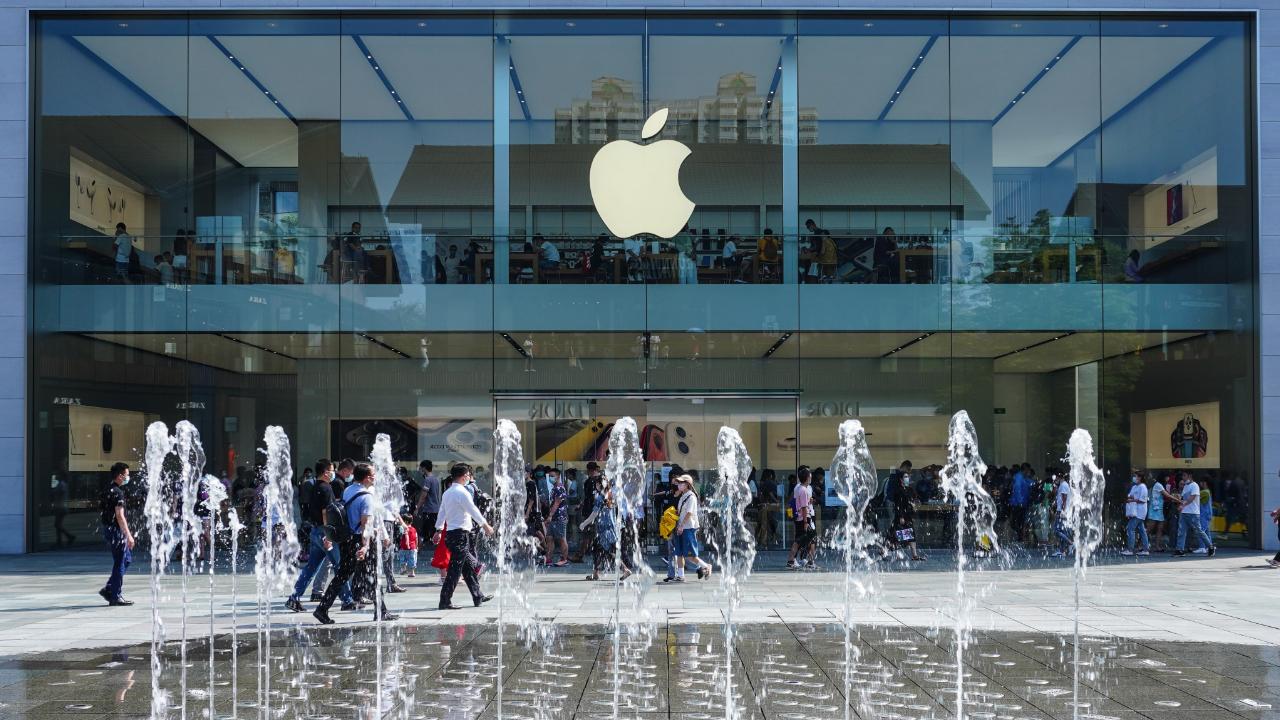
x=121, y=557
x=462, y=564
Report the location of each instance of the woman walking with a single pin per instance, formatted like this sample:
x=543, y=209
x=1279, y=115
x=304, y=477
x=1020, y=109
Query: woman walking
x=686, y=537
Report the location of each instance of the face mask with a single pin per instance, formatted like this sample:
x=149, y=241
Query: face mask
x=126, y=479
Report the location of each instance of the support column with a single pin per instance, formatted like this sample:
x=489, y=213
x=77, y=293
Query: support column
x=501, y=158
x=790, y=162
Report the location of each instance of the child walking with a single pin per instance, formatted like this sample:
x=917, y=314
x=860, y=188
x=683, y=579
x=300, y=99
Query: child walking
x=409, y=549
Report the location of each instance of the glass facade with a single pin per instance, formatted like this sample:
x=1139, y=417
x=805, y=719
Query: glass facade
x=353, y=223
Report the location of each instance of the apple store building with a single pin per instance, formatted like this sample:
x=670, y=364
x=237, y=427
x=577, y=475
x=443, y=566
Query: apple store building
x=349, y=223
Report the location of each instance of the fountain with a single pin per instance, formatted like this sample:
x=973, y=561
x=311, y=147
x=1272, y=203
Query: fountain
x=1083, y=516
x=159, y=514
x=732, y=498
x=387, y=497
x=962, y=479
x=625, y=479
x=216, y=494
x=275, y=564
x=854, y=474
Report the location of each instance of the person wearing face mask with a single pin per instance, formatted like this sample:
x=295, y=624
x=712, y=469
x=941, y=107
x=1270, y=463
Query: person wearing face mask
x=904, y=514
x=115, y=530
x=1135, y=512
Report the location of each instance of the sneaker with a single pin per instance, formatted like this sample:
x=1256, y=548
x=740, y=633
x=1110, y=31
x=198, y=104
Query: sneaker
x=348, y=607
x=121, y=602
x=1213, y=550
x=323, y=616
x=1200, y=551
x=1274, y=563
x=1126, y=552
x=105, y=596
x=395, y=589
x=1056, y=553
x=703, y=573
x=1179, y=553
x=387, y=617
x=1144, y=552
x=810, y=566
x=293, y=604
x=791, y=564
x=677, y=579
x=316, y=597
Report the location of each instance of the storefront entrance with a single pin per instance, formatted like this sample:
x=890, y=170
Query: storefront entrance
x=567, y=432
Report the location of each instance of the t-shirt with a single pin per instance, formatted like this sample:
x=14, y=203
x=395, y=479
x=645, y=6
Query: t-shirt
x=550, y=253
x=1064, y=495
x=1020, y=491
x=124, y=247
x=431, y=486
x=531, y=501
x=730, y=249
x=1191, y=499
x=112, y=498
x=688, y=506
x=1138, y=507
x=320, y=500
x=804, y=498
x=357, y=507
x=562, y=510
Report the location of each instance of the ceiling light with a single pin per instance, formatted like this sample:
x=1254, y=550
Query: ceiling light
x=868, y=24
x=719, y=24
x=1015, y=26
x=124, y=25
x=271, y=25
x=1163, y=25
x=422, y=24
x=571, y=24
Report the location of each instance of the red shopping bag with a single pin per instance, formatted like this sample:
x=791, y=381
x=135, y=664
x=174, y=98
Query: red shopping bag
x=440, y=558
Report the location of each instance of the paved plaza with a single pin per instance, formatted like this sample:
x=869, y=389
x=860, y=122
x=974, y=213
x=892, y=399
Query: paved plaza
x=1164, y=639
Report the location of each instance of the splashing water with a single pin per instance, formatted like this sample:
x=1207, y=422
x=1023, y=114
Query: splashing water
x=186, y=445
x=159, y=515
x=216, y=494
x=854, y=474
x=387, y=497
x=624, y=478
x=1083, y=516
x=962, y=480
x=739, y=552
x=278, y=549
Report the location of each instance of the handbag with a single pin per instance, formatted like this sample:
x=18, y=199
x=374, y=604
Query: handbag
x=441, y=557
x=906, y=535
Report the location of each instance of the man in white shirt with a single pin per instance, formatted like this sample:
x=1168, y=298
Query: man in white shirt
x=458, y=512
x=685, y=540
x=1135, y=509
x=1189, y=520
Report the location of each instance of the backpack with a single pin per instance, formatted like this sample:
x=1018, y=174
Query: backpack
x=337, y=518
x=667, y=526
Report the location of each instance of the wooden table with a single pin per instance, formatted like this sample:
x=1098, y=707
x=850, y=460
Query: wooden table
x=514, y=260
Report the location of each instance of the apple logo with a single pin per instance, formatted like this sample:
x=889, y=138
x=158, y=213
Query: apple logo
x=636, y=188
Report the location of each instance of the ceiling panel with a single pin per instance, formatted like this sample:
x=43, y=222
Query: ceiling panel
x=972, y=345
x=206, y=349
x=989, y=71
x=1060, y=110
x=363, y=94
x=439, y=78
x=926, y=96
x=853, y=78
x=851, y=345
x=555, y=71
x=1081, y=348
x=301, y=70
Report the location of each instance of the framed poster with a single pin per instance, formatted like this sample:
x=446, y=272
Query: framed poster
x=1184, y=436
x=101, y=198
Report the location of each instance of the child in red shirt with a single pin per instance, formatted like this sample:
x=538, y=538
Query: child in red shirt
x=409, y=549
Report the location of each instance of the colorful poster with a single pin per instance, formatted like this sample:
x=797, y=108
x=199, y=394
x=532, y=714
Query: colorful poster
x=1185, y=436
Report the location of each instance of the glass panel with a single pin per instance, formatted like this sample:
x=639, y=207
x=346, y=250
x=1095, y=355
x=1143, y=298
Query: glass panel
x=875, y=169
x=1179, y=394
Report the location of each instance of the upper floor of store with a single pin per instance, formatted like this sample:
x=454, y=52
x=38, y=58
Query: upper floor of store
x=847, y=172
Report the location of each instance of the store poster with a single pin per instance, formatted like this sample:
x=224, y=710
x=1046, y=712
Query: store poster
x=1184, y=436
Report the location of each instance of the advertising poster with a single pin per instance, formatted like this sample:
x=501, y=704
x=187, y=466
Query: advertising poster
x=100, y=199
x=1184, y=436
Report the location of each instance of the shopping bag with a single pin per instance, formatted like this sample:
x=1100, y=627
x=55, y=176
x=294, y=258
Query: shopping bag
x=440, y=558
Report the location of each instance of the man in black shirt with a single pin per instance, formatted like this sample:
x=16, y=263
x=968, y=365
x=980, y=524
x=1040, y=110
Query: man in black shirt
x=323, y=548
x=115, y=530
x=586, y=539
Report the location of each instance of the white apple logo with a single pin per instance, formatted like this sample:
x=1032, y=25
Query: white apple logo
x=636, y=188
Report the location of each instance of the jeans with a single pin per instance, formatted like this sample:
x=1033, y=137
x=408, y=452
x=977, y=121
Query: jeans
x=315, y=561
x=1063, y=533
x=1142, y=532
x=1191, y=522
x=121, y=556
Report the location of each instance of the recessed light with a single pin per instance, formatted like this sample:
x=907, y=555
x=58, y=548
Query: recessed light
x=571, y=24
x=868, y=24
x=124, y=25
x=1163, y=25
x=271, y=25
x=719, y=24
x=1015, y=26
x=422, y=24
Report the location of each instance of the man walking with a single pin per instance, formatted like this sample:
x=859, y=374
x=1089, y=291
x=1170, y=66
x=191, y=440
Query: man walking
x=323, y=547
x=115, y=530
x=1189, y=520
x=1135, y=509
x=458, y=512
x=355, y=554
x=428, y=500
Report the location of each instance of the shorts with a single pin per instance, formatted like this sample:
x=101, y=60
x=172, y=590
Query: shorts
x=685, y=543
x=557, y=528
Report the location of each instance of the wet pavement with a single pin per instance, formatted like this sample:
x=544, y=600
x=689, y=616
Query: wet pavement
x=782, y=670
